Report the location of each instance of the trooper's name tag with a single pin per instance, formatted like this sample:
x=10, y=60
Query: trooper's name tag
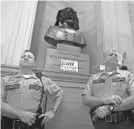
x=35, y=87
x=99, y=81
x=118, y=79
x=12, y=86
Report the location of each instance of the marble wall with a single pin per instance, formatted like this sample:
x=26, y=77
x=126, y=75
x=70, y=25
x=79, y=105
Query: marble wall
x=104, y=25
x=131, y=15
x=17, y=21
x=88, y=14
x=117, y=28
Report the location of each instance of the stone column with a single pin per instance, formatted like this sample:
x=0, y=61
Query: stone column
x=17, y=26
x=117, y=31
x=109, y=25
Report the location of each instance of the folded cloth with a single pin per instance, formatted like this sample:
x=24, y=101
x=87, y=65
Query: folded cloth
x=68, y=15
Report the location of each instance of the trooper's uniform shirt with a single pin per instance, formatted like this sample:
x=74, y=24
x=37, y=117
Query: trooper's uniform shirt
x=25, y=92
x=106, y=84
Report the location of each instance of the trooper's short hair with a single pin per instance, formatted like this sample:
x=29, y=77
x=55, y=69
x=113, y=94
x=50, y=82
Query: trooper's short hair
x=30, y=52
x=120, y=57
x=113, y=51
x=110, y=51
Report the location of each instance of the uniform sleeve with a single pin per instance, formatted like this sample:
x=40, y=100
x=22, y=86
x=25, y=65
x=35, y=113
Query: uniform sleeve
x=131, y=83
x=3, y=96
x=53, y=89
x=88, y=88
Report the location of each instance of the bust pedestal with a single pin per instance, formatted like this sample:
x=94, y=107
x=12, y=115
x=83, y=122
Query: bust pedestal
x=72, y=83
x=67, y=62
x=68, y=48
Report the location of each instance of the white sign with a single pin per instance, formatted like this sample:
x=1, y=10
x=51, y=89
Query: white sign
x=69, y=65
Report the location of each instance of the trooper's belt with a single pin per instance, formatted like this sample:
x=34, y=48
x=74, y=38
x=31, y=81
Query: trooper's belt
x=17, y=124
x=113, y=118
x=13, y=124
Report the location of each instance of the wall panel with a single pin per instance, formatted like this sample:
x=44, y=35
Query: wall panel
x=17, y=26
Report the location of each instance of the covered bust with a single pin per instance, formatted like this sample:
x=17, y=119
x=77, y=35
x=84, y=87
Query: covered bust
x=65, y=29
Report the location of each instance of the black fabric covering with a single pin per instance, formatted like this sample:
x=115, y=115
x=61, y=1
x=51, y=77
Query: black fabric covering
x=67, y=14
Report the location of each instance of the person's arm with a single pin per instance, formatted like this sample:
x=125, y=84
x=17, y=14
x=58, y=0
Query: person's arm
x=87, y=98
x=8, y=111
x=56, y=94
x=128, y=103
x=57, y=103
x=91, y=101
x=12, y=113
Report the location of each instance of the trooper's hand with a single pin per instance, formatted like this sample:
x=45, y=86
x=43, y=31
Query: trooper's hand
x=117, y=99
x=114, y=99
x=27, y=117
x=48, y=116
x=102, y=111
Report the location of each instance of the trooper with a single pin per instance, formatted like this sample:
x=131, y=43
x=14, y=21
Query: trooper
x=110, y=95
x=23, y=97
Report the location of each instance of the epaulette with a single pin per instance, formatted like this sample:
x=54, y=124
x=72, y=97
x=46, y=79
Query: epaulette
x=99, y=81
x=10, y=76
x=4, y=74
